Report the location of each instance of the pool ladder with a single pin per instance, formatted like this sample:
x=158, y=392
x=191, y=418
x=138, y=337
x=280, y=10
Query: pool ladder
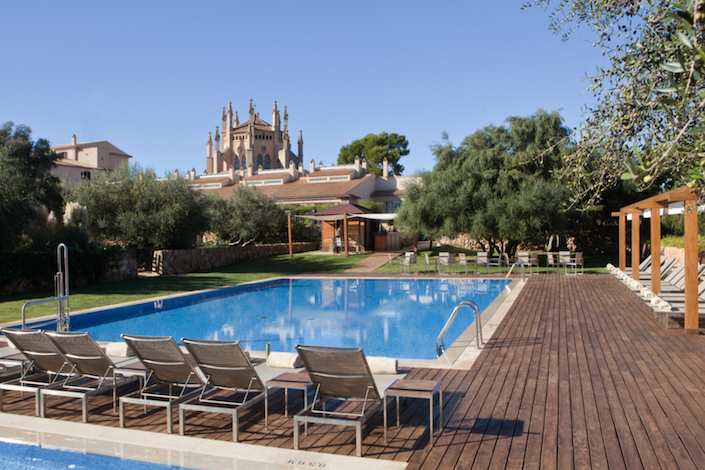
x=61, y=290
x=440, y=341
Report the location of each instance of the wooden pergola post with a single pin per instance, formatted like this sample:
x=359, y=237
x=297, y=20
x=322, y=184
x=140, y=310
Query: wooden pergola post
x=690, y=215
x=622, y=239
x=291, y=247
x=636, y=243
x=656, y=250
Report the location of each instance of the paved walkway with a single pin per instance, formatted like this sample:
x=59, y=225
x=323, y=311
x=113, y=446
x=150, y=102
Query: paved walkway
x=377, y=260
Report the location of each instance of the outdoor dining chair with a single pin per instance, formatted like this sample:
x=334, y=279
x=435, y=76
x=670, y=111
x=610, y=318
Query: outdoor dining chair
x=445, y=259
x=409, y=261
x=431, y=261
x=552, y=263
x=482, y=259
x=564, y=259
x=394, y=262
x=462, y=261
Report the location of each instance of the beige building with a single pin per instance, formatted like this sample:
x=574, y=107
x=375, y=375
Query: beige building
x=82, y=161
x=252, y=145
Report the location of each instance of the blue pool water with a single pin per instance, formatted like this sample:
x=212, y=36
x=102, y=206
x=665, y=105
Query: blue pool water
x=24, y=456
x=386, y=317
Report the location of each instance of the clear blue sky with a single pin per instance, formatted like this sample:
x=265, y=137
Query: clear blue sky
x=152, y=77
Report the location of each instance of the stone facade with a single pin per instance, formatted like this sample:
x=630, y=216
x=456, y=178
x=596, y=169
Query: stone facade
x=121, y=268
x=678, y=253
x=253, y=145
x=202, y=259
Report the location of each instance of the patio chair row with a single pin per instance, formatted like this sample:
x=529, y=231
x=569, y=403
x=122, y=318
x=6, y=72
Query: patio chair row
x=222, y=380
x=564, y=260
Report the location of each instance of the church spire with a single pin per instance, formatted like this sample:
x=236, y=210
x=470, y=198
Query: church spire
x=301, y=146
x=252, y=110
x=275, y=115
x=236, y=121
x=286, y=120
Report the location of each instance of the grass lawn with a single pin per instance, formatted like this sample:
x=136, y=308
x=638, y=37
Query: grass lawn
x=144, y=288
x=593, y=264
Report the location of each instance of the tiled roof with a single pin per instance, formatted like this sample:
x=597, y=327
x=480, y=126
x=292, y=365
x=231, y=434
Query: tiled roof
x=75, y=163
x=395, y=192
x=301, y=189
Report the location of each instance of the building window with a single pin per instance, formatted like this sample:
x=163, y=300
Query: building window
x=86, y=175
x=244, y=161
x=259, y=161
x=266, y=162
x=62, y=154
x=236, y=163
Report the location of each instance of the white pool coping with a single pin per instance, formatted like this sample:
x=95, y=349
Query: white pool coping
x=170, y=449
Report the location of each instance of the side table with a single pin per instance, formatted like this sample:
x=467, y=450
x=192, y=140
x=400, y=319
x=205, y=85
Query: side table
x=289, y=380
x=409, y=388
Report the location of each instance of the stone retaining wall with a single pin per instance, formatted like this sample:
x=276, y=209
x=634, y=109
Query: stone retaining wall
x=202, y=259
x=122, y=267
x=679, y=253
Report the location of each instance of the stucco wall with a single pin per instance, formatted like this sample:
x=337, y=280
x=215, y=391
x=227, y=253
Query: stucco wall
x=201, y=259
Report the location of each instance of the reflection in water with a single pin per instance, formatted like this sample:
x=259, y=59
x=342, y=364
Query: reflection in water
x=387, y=317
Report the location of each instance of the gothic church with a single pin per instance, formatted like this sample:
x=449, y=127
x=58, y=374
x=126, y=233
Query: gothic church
x=254, y=143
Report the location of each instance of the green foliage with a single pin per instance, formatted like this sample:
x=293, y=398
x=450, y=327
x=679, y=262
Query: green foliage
x=25, y=182
x=679, y=241
x=371, y=205
x=675, y=225
x=28, y=269
x=646, y=125
x=374, y=148
x=497, y=186
x=131, y=207
x=248, y=216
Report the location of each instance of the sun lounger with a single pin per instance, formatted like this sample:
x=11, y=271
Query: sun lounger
x=46, y=368
x=232, y=384
x=341, y=376
x=93, y=372
x=170, y=379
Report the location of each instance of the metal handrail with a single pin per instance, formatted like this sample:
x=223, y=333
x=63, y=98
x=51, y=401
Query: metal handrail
x=519, y=262
x=440, y=341
x=61, y=292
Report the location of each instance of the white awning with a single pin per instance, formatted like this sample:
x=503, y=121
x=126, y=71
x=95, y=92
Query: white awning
x=329, y=218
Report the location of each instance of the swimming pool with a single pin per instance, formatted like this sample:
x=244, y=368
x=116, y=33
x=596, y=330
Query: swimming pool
x=386, y=317
x=27, y=456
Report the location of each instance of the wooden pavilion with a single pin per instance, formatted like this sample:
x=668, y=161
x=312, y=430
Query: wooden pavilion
x=653, y=207
x=353, y=229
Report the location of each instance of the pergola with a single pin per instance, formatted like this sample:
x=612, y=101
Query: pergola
x=353, y=218
x=654, y=205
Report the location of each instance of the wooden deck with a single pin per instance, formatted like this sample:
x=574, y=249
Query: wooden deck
x=578, y=375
